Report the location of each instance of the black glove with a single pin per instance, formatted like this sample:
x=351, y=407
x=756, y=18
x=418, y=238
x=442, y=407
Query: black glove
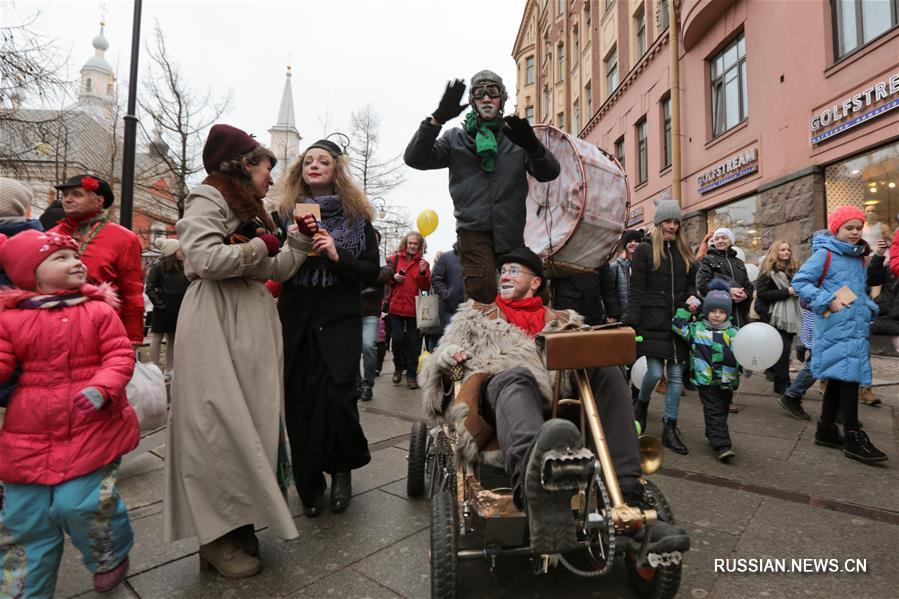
x=449, y=104
x=520, y=133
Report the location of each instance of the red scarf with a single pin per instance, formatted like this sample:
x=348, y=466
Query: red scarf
x=528, y=314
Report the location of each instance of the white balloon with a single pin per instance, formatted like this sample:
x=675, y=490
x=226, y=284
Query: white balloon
x=757, y=346
x=753, y=271
x=740, y=253
x=638, y=371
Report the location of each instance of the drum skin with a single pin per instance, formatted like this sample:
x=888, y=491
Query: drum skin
x=574, y=223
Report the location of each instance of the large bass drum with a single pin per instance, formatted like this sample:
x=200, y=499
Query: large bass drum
x=574, y=223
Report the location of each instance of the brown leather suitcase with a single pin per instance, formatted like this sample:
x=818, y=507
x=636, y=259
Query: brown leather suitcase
x=603, y=345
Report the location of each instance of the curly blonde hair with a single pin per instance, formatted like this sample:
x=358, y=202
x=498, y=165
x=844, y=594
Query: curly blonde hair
x=293, y=189
x=423, y=245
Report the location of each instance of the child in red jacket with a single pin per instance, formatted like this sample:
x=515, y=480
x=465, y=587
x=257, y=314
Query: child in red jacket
x=68, y=421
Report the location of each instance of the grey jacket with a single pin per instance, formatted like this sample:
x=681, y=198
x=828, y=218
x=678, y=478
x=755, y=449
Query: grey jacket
x=485, y=202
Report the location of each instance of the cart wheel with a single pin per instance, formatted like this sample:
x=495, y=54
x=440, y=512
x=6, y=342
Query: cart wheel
x=655, y=583
x=418, y=453
x=444, y=528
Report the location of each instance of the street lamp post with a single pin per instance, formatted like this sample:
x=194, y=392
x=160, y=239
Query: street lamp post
x=130, y=135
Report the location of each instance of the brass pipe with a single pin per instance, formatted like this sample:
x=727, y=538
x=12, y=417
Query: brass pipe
x=599, y=438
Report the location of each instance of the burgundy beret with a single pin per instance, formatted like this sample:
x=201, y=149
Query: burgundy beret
x=225, y=142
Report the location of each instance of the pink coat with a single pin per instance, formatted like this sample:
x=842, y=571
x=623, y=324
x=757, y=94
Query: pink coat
x=45, y=439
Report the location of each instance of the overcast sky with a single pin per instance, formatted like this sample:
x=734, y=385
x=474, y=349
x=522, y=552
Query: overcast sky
x=395, y=55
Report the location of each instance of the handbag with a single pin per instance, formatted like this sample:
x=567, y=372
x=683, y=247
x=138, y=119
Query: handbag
x=147, y=396
x=427, y=311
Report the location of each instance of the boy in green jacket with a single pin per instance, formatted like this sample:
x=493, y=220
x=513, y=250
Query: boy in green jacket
x=713, y=368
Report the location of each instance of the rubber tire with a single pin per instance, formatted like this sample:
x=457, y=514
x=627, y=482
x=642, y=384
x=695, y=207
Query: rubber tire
x=444, y=546
x=665, y=581
x=418, y=447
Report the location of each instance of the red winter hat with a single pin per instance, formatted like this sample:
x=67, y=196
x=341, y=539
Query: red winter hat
x=21, y=254
x=225, y=142
x=842, y=215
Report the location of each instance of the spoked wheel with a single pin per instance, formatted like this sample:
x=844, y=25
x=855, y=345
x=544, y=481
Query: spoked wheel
x=598, y=529
x=444, y=531
x=440, y=468
x=418, y=453
x=662, y=582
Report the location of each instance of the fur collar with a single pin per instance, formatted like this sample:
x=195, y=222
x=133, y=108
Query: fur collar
x=10, y=297
x=239, y=198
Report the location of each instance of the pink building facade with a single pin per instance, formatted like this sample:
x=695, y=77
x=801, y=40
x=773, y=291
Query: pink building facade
x=788, y=110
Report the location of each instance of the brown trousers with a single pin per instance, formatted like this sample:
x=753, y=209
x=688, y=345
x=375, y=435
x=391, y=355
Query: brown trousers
x=478, y=265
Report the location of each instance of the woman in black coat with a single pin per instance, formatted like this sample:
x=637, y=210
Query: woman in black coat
x=721, y=262
x=663, y=273
x=166, y=286
x=777, y=303
x=321, y=318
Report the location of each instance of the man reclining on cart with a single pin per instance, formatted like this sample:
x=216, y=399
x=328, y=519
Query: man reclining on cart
x=495, y=345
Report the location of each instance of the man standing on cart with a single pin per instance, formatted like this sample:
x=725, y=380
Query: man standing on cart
x=488, y=158
x=505, y=377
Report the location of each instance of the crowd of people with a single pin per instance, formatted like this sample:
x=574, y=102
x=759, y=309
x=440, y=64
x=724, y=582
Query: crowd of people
x=275, y=310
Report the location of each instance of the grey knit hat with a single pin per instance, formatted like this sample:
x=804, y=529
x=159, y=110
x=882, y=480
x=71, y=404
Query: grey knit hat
x=15, y=198
x=718, y=298
x=666, y=210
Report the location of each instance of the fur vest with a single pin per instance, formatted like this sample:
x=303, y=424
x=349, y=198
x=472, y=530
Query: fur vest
x=495, y=346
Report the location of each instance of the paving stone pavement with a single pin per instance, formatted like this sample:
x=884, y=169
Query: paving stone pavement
x=781, y=497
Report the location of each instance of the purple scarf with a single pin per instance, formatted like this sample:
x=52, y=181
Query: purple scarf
x=52, y=301
x=317, y=270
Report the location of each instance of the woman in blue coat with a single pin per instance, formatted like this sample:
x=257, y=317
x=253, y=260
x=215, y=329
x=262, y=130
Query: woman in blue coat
x=840, y=351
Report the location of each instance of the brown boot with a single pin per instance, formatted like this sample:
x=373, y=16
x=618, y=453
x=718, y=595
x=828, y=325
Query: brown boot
x=867, y=397
x=226, y=555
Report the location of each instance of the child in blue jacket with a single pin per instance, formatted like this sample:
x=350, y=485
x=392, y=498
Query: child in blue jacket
x=713, y=368
x=840, y=349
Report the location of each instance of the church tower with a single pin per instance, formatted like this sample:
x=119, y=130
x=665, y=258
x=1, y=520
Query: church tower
x=98, y=80
x=285, y=141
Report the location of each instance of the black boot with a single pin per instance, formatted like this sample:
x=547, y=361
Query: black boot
x=341, y=491
x=793, y=406
x=857, y=445
x=312, y=506
x=828, y=435
x=640, y=410
x=671, y=438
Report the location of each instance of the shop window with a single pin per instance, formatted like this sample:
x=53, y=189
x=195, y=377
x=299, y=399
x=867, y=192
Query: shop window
x=742, y=217
x=619, y=150
x=642, y=152
x=858, y=22
x=730, y=98
x=529, y=69
x=640, y=29
x=612, y=71
x=666, y=131
x=870, y=182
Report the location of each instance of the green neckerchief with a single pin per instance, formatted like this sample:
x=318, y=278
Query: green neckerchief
x=484, y=138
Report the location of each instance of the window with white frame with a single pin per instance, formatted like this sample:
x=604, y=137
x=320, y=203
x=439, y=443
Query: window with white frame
x=640, y=31
x=730, y=97
x=529, y=69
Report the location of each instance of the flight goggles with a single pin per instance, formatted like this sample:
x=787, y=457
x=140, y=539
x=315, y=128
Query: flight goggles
x=489, y=89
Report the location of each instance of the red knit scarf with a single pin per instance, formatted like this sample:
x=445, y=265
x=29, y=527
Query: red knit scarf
x=527, y=314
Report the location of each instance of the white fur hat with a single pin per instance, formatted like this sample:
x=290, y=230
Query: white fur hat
x=725, y=231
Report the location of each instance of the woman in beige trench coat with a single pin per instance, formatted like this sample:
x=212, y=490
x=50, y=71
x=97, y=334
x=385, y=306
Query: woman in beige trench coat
x=226, y=461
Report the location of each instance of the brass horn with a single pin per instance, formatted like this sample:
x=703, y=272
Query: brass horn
x=651, y=454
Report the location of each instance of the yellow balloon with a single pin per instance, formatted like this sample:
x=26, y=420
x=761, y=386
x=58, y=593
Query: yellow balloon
x=427, y=222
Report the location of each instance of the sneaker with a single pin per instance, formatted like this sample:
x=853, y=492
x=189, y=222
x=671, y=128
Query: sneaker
x=412, y=382
x=857, y=446
x=550, y=519
x=106, y=581
x=726, y=453
x=366, y=394
x=828, y=435
x=397, y=377
x=793, y=406
x=867, y=397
